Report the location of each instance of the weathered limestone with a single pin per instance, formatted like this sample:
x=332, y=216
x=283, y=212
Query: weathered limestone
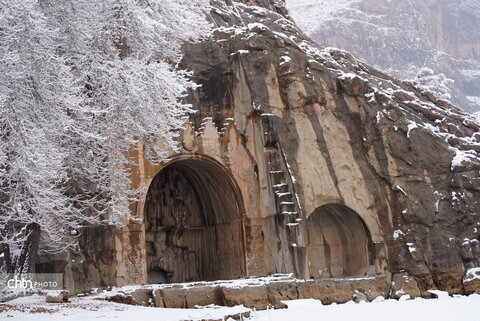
x=203, y=296
x=343, y=290
x=158, y=299
x=174, y=297
x=190, y=297
x=252, y=296
x=280, y=291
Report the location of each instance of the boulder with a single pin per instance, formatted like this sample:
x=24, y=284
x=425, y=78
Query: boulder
x=404, y=284
x=354, y=85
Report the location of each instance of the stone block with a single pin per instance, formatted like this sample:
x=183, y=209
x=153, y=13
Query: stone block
x=174, y=297
x=202, y=296
x=342, y=289
x=157, y=298
x=251, y=296
x=308, y=290
x=142, y=297
x=279, y=291
x=372, y=287
x=323, y=290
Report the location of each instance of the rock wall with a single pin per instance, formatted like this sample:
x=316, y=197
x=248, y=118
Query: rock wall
x=293, y=129
x=403, y=36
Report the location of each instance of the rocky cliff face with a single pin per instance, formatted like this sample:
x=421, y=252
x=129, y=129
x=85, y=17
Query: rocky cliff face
x=402, y=36
x=407, y=163
x=302, y=160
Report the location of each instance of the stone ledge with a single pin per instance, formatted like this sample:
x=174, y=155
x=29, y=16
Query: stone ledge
x=260, y=293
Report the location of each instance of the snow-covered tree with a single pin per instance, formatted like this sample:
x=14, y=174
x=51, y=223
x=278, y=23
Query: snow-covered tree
x=476, y=115
x=81, y=83
x=439, y=84
x=35, y=96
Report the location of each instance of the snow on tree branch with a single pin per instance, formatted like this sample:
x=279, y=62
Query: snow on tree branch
x=82, y=82
x=438, y=84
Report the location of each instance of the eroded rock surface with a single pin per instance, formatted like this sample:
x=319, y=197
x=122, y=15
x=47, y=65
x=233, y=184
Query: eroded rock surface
x=406, y=162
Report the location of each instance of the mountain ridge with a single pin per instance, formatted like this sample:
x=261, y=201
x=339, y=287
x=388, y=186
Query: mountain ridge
x=402, y=37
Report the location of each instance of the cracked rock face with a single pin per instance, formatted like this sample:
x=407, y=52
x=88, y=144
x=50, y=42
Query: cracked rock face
x=407, y=163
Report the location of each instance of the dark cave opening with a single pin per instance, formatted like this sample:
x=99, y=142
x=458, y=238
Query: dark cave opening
x=338, y=243
x=193, y=224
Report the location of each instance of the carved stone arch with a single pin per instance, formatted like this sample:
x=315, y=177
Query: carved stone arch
x=194, y=222
x=338, y=243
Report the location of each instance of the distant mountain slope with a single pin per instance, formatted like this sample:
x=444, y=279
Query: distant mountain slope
x=402, y=36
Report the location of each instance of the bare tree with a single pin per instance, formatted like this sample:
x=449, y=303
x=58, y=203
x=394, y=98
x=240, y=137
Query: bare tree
x=81, y=83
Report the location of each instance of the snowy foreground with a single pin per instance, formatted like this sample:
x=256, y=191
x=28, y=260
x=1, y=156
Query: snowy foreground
x=459, y=308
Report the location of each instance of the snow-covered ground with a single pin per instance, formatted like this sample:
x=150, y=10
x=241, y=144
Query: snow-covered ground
x=34, y=308
x=461, y=308
x=444, y=309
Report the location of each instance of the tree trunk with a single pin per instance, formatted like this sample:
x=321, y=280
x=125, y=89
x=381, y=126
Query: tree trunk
x=26, y=261
x=5, y=250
